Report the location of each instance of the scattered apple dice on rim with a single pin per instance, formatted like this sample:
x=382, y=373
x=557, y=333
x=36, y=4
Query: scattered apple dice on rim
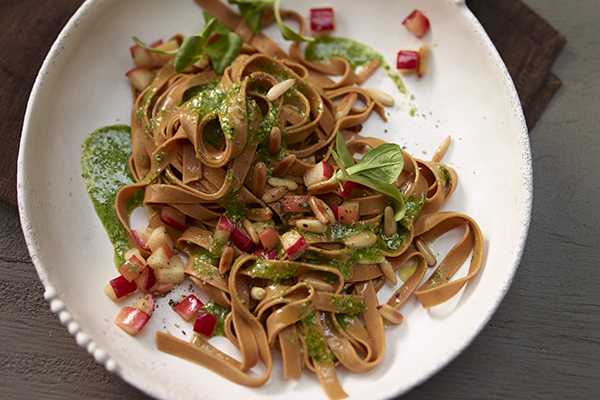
x=205, y=323
x=119, y=288
x=416, y=23
x=322, y=19
x=140, y=77
x=189, y=307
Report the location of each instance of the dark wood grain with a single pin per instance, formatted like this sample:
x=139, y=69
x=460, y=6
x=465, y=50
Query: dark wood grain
x=542, y=343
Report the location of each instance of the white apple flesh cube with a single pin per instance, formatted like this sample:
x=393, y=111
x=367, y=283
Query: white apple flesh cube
x=137, y=253
x=294, y=244
x=159, y=260
x=140, y=56
x=319, y=173
x=140, y=77
x=159, y=238
x=146, y=304
x=119, y=288
x=141, y=237
x=223, y=230
x=131, y=320
x=172, y=274
x=269, y=238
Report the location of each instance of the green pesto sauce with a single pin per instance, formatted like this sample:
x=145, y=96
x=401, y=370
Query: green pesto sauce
x=204, y=265
x=413, y=209
x=345, y=320
x=443, y=173
x=105, y=169
x=221, y=313
x=275, y=272
x=357, y=54
x=315, y=341
x=348, y=304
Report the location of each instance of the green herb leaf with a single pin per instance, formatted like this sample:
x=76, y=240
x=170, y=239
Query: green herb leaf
x=343, y=151
x=224, y=51
x=191, y=50
x=287, y=33
x=251, y=11
x=391, y=191
x=220, y=28
x=152, y=49
x=384, y=163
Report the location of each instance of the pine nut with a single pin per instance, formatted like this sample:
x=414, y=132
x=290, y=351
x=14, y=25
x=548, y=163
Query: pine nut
x=388, y=272
x=259, y=179
x=381, y=97
x=259, y=214
x=284, y=165
x=343, y=109
x=250, y=231
x=226, y=259
x=291, y=185
x=441, y=151
x=280, y=89
x=360, y=240
x=390, y=227
x=422, y=247
x=323, y=187
x=274, y=194
x=390, y=313
x=423, y=60
x=368, y=70
x=319, y=208
x=311, y=225
x=319, y=284
x=258, y=293
x=274, y=140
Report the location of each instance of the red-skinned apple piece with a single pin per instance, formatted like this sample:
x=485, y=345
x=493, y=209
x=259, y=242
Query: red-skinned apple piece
x=319, y=173
x=294, y=203
x=267, y=255
x=347, y=189
x=294, y=244
x=173, y=217
x=146, y=304
x=417, y=23
x=269, y=238
x=241, y=240
x=205, y=323
x=347, y=214
x=119, y=288
x=131, y=320
x=159, y=238
x=140, y=77
x=132, y=268
x=146, y=280
x=223, y=230
x=189, y=307
x=322, y=19
x=407, y=61
x=141, y=237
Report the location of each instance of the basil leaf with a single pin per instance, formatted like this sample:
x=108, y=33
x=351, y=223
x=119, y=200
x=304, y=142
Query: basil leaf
x=224, y=51
x=391, y=191
x=345, y=155
x=251, y=11
x=287, y=33
x=191, y=50
x=383, y=163
x=152, y=49
x=220, y=28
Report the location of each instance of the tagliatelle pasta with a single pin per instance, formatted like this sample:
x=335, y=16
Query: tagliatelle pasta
x=209, y=145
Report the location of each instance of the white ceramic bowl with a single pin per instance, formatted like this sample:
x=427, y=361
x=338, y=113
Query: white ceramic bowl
x=466, y=93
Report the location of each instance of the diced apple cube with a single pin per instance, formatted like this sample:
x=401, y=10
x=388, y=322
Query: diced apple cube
x=205, y=323
x=146, y=280
x=269, y=238
x=169, y=275
x=322, y=19
x=140, y=77
x=135, y=252
x=146, y=304
x=241, y=240
x=407, y=61
x=132, y=268
x=141, y=237
x=267, y=255
x=223, y=230
x=189, y=307
x=294, y=244
x=348, y=213
x=159, y=238
x=140, y=56
x=417, y=23
x=173, y=217
x=346, y=189
x=319, y=173
x=119, y=288
x=294, y=203
x=131, y=320
x=159, y=260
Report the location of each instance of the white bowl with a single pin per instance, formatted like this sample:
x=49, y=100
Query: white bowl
x=467, y=93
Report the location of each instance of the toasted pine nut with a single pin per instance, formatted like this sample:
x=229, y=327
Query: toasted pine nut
x=441, y=151
x=388, y=272
x=319, y=284
x=283, y=182
x=390, y=313
x=390, y=226
x=259, y=214
x=343, y=109
x=323, y=187
x=311, y=225
x=226, y=259
x=274, y=194
x=250, y=231
x=381, y=97
x=422, y=247
x=274, y=140
x=280, y=89
x=360, y=240
x=319, y=208
x=259, y=179
x=368, y=70
x=257, y=293
x=423, y=60
x=284, y=165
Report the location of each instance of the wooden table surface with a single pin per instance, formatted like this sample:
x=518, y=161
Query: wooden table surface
x=542, y=343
